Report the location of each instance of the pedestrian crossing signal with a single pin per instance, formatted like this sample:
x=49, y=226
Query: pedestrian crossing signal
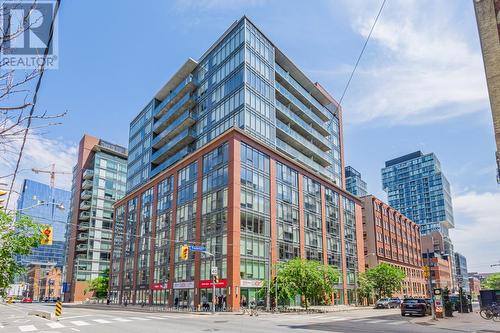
x=184, y=252
x=46, y=236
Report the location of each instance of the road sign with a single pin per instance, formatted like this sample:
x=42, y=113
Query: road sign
x=195, y=248
x=213, y=270
x=58, y=310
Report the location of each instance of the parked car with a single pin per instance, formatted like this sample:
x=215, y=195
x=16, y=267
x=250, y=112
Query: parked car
x=387, y=303
x=411, y=306
x=26, y=300
x=397, y=300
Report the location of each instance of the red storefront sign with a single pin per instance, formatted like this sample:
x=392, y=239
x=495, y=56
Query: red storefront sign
x=159, y=286
x=208, y=284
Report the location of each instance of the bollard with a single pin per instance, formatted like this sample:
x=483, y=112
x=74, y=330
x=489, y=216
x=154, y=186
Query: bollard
x=58, y=310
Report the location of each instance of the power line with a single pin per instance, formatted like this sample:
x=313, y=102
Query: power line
x=35, y=97
x=362, y=52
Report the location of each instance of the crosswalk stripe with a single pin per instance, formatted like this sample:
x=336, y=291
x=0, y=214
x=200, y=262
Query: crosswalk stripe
x=55, y=325
x=120, y=319
x=377, y=321
x=139, y=318
x=151, y=317
x=80, y=323
x=27, y=328
x=397, y=322
x=101, y=321
x=358, y=320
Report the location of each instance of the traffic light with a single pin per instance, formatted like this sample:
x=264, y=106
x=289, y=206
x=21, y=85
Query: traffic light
x=426, y=271
x=184, y=252
x=2, y=193
x=46, y=236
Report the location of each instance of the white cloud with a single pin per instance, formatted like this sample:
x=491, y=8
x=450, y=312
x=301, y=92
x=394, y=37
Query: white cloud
x=39, y=153
x=477, y=229
x=421, y=65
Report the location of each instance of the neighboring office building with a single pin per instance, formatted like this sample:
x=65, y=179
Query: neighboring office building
x=391, y=237
x=353, y=182
x=488, y=23
x=43, y=283
x=433, y=246
x=417, y=187
x=461, y=271
x=246, y=153
x=99, y=179
x=45, y=205
x=474, y=287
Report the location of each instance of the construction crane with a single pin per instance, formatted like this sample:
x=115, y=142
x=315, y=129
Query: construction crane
x=52, y=172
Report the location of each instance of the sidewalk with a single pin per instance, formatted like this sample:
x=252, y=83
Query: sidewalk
x=463, y=322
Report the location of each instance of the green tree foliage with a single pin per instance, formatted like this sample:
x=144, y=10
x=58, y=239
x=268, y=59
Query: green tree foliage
x=308, y=278
x=385, y=279
x=365, y=288
x=99, y=285
x=492, y=282
x=17, y=237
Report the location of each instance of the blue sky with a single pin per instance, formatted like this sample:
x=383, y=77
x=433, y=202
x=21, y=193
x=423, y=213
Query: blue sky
x=419, y=86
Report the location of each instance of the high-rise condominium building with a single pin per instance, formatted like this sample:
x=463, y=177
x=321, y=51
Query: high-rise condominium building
x=417, y=187
x=99, y=179
x=488, y=23
x=49, y=206
x=240, y=152
x=354, y=183
x=390, y=237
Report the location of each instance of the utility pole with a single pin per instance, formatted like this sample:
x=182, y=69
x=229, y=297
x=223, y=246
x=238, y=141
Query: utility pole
x=431, y=293
x=268, y=289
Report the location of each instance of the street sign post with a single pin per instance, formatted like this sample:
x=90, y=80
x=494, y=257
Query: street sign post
x=195, y=248
x=213, y=270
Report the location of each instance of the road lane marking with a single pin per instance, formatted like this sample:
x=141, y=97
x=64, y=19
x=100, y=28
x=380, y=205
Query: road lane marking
x=55, y=325
x=357, y=320
x=139, y=318
x=377, y=321
x=27, y=328
x=80, y=323
x=397, y=322
x=120, y=319
x=102, y=321
x=73, y=317
x=151, y=317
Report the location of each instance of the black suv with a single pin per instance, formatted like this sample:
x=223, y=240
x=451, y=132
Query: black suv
x=413, y=306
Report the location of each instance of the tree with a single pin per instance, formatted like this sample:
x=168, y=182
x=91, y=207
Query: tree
x=365, y=288
x=308, y=278
x=99, y=285
x=17, y=237
x=385, y=279
x=492, y=282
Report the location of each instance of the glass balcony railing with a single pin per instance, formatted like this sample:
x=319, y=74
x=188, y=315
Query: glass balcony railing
x=301, y=106
x=169, y=161
x=184, y=103
x=88, y=174
x=185, y=120
x=302, y=123
x=297, y=155
x=86, y=195
x=83, y=236
x=181, y=140
x=84, y=216
x=323, y=110
x=83, y=226
x=82, y=247
x=303, y=142
x=85, y=205
x=188, y=82
x=87, y=184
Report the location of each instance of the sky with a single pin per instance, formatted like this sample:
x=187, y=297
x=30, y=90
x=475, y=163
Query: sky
x=419, y=86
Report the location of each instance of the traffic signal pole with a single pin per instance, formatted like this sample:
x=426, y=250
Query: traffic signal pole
x=431, y=292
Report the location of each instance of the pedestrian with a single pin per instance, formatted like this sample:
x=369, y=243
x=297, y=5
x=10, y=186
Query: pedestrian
x=108, y=301
x=176, y=302
x=125, y=302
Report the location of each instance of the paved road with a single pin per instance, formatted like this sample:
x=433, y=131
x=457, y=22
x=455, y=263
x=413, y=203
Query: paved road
x=14, y=318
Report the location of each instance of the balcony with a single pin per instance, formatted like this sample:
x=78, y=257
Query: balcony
x=84, y=216
x=88, y=174
x=291, y=84
x=83, y=226
x=186, y=86
x=87, y=184
x=300, y=143
x=301, y=109
x=180, y=141
x=85, y=205
x=82, y=247
x=83, y=236
x=178, y=125
x=86, y=195
x=169, y=161
x=81, y=256
x=183, y=104
x=301, y=126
